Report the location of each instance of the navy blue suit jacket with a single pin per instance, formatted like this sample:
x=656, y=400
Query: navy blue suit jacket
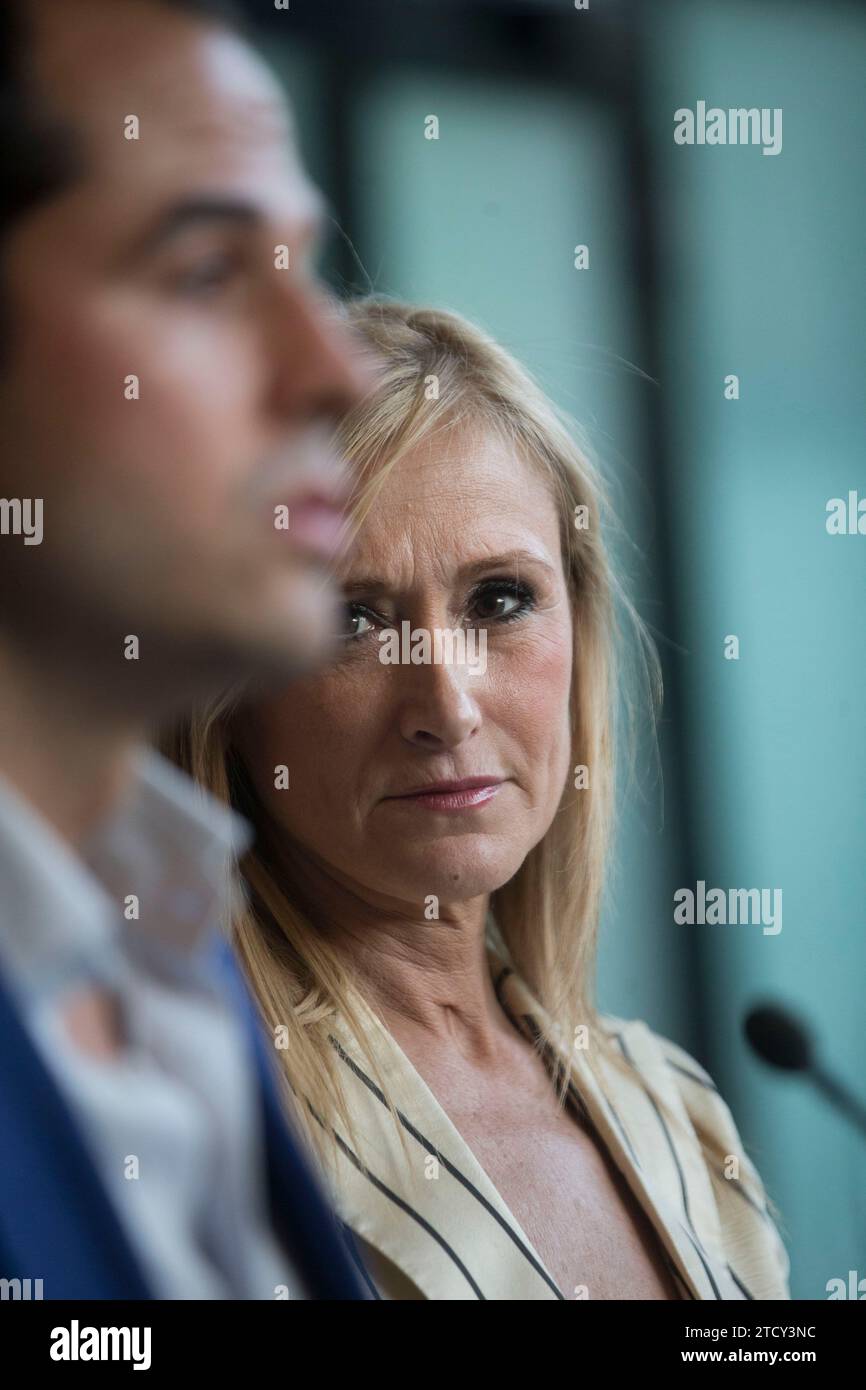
x=56, y=1221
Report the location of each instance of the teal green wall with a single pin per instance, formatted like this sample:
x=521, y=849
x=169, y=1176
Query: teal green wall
x=766, y=277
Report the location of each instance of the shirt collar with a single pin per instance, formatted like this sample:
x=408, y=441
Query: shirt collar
x=167, y=850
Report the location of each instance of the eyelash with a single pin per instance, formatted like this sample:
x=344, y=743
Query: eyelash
x=198, y=279
x=508, y=588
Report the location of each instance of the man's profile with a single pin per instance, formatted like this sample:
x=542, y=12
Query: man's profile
x=170, y=374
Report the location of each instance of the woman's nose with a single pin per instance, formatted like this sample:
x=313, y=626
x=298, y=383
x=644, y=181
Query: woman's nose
x=439, y=708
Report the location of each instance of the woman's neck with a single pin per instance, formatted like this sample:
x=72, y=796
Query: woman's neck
x=428, y=980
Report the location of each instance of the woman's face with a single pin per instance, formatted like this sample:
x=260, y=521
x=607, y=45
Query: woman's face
x=464, y=534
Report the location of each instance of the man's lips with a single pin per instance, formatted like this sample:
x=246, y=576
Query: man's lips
x=316, y=523
x=455, y=795
x=306, y=492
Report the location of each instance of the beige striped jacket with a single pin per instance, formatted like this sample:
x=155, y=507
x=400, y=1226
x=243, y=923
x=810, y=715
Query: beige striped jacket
x=437, y=1227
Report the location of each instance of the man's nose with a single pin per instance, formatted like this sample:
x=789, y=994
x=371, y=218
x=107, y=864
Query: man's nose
x=321, y=367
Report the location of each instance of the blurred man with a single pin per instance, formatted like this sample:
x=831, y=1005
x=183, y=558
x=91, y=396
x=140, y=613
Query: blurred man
x=169, y=376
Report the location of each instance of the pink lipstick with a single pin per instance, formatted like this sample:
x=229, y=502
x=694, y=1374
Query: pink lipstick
x=462, y=795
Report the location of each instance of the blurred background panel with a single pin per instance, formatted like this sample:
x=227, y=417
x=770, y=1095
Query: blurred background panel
x=762, y=274
x=556, y=130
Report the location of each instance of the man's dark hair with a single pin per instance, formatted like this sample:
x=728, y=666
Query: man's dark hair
x=39, y=156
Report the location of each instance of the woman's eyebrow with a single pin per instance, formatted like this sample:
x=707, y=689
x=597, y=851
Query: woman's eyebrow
x=511, y=559
x=363, y=584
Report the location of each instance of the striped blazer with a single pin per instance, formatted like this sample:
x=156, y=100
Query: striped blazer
x=434, y=1226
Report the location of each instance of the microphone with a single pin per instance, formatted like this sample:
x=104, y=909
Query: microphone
x=784, y=1041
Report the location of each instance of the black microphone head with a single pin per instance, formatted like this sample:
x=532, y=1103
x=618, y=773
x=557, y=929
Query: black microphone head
x=778, y=1037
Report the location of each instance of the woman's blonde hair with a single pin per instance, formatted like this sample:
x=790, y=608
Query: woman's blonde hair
x=439, y=373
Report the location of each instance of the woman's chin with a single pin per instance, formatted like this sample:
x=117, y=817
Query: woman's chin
x=454, y=878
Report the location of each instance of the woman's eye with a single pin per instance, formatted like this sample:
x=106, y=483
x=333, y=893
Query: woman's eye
x=501, y=601
x=357, y=621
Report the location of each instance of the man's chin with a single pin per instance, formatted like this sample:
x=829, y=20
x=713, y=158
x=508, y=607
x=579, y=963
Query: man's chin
x=298, y=635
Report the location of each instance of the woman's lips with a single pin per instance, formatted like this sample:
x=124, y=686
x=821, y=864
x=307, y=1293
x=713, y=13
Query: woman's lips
x=455, y=796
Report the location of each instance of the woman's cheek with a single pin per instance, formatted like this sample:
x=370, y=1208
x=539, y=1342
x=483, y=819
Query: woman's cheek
x=536, y=673
x=338, y=731
x=531, y=702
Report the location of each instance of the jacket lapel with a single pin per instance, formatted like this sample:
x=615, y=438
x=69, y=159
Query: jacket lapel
x=657, y=1154
x=430, y=1207
x=56, y=1221
x=310, y=1230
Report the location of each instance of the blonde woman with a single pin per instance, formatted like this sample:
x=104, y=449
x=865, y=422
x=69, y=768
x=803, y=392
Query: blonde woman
x=424, y=888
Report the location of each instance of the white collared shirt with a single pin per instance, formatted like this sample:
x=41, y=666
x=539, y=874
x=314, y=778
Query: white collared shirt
x=171, y=1121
